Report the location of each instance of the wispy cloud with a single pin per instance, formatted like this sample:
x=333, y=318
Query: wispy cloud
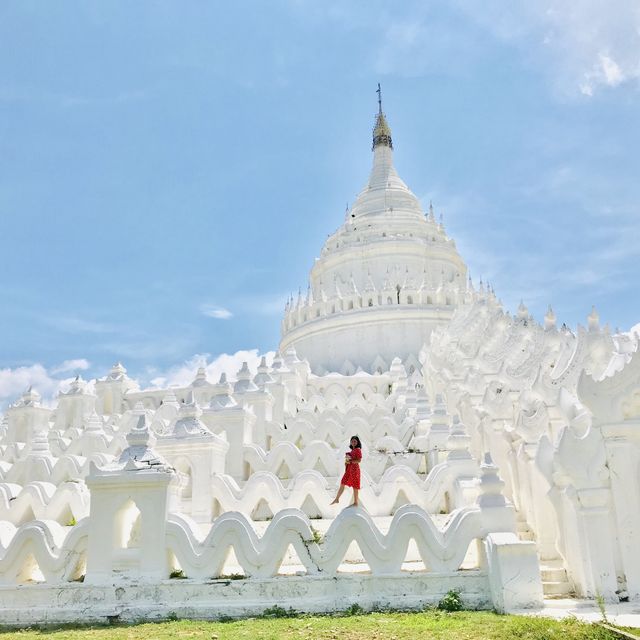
x=568, y=261
x=268, y=304
x=583, y=46
x=219, y=313
x=77, y=324
x=143, y=347
x=79, y=364
x=604, y=71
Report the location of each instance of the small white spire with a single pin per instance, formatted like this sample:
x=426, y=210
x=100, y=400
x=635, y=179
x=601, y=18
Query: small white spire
x=593, y=320
x=550, y=319
x=523, y=312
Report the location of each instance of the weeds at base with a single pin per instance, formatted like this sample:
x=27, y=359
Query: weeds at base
x=279, y=612
x=451, y=601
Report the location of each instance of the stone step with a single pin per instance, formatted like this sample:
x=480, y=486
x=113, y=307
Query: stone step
x=526, y=535
x=555, y=583
x=523, y=529
x=553, y=574
x=560, y=589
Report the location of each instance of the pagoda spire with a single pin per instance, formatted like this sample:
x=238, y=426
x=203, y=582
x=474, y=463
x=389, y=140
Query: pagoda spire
x=381, y=130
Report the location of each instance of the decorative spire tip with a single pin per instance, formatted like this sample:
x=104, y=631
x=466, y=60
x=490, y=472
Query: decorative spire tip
x=381, y=130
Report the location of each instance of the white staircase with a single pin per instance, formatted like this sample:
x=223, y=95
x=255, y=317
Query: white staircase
x=555, y=582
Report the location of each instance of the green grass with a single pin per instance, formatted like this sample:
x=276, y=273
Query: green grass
x=634, y=631
x=432, y=625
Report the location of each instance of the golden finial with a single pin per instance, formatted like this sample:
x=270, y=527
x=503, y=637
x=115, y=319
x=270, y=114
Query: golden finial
x=381, y=130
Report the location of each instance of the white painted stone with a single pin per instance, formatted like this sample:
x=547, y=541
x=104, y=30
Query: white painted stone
x=477, y=425
x=514, y=573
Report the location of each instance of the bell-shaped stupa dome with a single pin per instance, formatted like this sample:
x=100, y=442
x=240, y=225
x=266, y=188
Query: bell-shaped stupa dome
x=384, y=279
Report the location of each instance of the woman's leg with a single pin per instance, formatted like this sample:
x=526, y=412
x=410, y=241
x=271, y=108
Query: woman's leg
x=355, y=497
x=340, y=492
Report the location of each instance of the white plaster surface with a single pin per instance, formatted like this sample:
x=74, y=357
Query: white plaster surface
x=501, y=455
x=132, y=601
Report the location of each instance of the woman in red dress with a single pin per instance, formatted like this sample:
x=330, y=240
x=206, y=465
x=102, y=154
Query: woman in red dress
x=351, y=477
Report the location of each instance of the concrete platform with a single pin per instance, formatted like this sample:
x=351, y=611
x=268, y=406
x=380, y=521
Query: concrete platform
x=131, y=601
x=625, y=614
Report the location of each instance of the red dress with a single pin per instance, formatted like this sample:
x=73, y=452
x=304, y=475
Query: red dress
x=351, y=477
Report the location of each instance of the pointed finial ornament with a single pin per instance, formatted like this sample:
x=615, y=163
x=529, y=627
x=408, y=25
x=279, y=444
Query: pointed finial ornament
x=593, y=320
x=550, y=319
x=381, y=130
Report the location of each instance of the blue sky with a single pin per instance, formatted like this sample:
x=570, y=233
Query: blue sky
x=169, y=170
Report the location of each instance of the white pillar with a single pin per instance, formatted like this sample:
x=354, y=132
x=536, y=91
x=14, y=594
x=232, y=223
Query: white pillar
x=623, y=457
x=110, y=492
x=597, y=537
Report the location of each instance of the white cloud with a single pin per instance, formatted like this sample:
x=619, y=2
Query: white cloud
x=228, y=363
x=604, y=71
x=79, y=364
x=583, y=46
x=219, y=313
x=586, y=89
x=612, y=73
x=14, y=382
x=264, y=304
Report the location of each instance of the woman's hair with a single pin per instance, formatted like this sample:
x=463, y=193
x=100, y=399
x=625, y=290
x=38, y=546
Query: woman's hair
x=358, y=446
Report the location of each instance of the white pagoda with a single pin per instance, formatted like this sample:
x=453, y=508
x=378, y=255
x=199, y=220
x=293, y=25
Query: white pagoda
x=383, y=281
x=501, y=456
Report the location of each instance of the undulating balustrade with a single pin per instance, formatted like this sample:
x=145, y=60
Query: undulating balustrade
x=546, y=402
x=448, y=485
x=64, y=503
x=252, y=470
x=303, y=475
x=46, y=551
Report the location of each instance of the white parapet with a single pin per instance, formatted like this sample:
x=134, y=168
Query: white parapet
x=514, y=573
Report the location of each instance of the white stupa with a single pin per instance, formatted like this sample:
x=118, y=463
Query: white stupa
x=501, y=456
x=383, y=280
